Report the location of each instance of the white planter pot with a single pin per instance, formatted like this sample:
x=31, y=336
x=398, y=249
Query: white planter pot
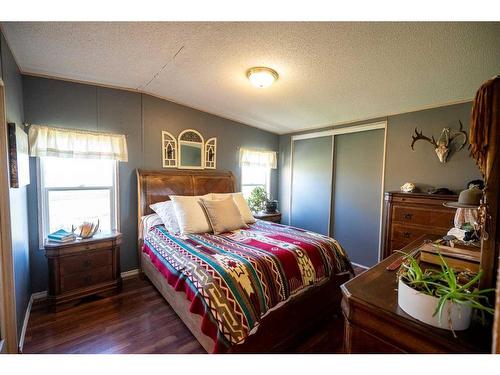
x=421, y=307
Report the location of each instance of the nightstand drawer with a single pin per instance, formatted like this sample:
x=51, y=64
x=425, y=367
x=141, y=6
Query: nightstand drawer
x=84, y=262
x=86, y=278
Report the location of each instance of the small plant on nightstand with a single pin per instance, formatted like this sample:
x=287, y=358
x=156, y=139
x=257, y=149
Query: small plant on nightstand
x=257, y=199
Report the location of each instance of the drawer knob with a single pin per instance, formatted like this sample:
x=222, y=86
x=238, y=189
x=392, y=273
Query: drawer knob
x=406, y=234
x=408, y=216
x=87, y=279
x=87, y=263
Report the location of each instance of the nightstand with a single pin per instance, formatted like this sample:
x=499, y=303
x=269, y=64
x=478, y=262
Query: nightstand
x=82, y=268
x=274, y=217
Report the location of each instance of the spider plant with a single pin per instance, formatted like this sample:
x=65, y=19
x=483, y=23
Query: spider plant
x=446, y=285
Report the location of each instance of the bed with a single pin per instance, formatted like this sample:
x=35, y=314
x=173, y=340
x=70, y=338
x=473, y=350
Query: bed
x=224, y=314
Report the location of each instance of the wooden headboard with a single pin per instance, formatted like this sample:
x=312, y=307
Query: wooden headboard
x=158, y=186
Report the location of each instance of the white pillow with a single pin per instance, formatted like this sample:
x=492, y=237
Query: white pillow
x=241, y=203
x=190, y=214
x=166, y=212
x=148, y=222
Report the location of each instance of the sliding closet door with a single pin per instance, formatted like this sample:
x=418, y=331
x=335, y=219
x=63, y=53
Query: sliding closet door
x=311, y=184
x=358, y=168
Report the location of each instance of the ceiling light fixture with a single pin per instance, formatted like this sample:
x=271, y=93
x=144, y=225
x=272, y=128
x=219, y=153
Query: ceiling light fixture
x=261, y=76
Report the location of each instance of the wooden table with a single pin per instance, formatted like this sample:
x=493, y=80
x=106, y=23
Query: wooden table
x=374, y=323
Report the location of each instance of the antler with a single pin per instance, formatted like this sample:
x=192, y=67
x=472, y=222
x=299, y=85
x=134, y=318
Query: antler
x=458, y=133
x=418, y=136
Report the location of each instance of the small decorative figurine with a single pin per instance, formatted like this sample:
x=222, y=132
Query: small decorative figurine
x=408, y=187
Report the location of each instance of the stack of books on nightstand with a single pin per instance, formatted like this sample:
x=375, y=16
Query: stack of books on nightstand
x=61, y=236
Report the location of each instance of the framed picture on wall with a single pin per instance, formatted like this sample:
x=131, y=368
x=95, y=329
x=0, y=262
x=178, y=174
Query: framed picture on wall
x=19, y=168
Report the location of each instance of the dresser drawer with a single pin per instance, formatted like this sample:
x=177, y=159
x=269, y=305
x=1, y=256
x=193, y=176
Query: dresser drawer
x=405, y=234
x=87, y=278
x=85, y=262
x=432, y=217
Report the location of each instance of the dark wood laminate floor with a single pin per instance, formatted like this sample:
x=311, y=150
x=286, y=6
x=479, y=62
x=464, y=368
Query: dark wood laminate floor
x=137, y=320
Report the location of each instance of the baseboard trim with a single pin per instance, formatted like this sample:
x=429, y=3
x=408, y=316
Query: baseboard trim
x=25, y=325
x=129, y=274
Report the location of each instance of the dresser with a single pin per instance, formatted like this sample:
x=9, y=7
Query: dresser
x=411, y=215
x=374, y=322
x=82, y=268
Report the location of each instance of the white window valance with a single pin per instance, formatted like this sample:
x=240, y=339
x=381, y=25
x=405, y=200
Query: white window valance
x=255, y=158
x=73, y=143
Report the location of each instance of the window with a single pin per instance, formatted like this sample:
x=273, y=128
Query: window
x=255, y=176
x=256, y=170
x=77, y=190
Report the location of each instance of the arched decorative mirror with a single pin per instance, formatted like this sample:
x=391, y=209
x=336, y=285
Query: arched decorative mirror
x=191, y=151
x=169, y=150
x=211, y=153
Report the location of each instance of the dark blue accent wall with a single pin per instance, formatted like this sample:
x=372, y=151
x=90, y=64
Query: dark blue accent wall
x=142, y=118
x=18, y=197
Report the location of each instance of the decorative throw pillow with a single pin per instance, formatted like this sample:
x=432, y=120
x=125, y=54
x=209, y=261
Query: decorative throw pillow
x=190, y=214
x=166, y=212
x=223, y=215
x=241, y=203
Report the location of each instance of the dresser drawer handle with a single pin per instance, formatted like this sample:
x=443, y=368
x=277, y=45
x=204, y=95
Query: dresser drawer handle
x=87, y=279
x=406, y=234
x=408, y=216
x=87, y=263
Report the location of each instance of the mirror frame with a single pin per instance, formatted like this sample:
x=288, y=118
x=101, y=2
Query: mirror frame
x=202, y=150
x=211, y=143
x=168, y=139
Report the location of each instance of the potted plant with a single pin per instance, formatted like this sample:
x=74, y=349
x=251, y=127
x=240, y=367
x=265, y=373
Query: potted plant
x=257, y=199
x=443, y=298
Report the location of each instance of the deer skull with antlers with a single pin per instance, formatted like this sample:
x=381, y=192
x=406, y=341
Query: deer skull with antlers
x=442, y=145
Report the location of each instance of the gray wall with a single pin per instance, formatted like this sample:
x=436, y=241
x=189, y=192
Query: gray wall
x=422, y=165
x=18, y=197
x=141, y=118
x=402, y=164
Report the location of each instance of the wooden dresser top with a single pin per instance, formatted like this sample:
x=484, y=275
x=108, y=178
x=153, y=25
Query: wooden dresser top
x=401, y=194
x=376, y=289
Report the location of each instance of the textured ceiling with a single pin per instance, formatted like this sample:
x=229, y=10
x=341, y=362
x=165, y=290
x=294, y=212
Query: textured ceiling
x=329, y=72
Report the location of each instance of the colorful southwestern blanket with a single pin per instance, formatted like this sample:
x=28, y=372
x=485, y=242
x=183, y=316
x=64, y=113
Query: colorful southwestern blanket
x=233, y=280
